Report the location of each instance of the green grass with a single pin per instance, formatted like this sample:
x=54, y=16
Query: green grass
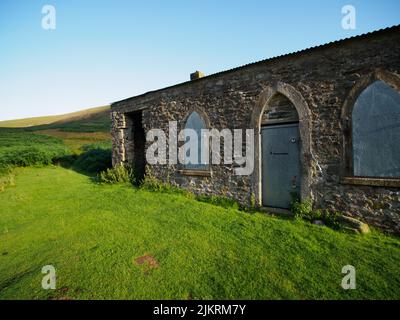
x=21, y=148
x=76, y=140
x=74, y=130
x=20, y=138
x=89, y=120
x=93, y=233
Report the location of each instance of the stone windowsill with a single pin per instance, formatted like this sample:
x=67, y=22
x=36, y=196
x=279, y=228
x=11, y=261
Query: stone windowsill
x=368, y=181
x=195, y=173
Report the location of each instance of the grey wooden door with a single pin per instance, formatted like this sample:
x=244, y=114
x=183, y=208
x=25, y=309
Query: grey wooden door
x=280, y=164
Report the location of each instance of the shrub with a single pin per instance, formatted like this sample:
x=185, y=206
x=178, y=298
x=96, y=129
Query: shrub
x=151, y=183
x=303, y=210
x=331, y=219
x=119, y=174
x=93, y=161
x=106, y=145
x=31, y=156
x=22, y=148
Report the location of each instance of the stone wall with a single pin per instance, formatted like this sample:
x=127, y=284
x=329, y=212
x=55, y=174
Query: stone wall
x=319, y=82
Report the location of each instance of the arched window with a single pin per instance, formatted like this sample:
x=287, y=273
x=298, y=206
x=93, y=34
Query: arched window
x=280, y=110
x=376, y=132
x=193, y=133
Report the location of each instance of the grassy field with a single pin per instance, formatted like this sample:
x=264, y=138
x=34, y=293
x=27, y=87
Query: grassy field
x=117, y=242
x=75, y=130
x=76, y=140
x=94, y=119
x=120, y=242
x=58, y=142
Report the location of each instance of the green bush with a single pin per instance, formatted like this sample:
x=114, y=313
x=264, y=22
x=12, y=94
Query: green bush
x=119, y=174
x=106, y=145
x=330, y=218
x=303, y=210
x=31, y=156
x=93, y=161
x=22, y=148
x=151, y=183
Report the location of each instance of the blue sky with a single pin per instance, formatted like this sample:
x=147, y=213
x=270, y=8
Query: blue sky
x=102, y=51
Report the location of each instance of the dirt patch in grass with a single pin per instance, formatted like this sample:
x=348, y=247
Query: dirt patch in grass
x=61, y=294
x=147, y=262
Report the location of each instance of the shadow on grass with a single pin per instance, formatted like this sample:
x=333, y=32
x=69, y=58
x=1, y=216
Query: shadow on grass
x=90, y=162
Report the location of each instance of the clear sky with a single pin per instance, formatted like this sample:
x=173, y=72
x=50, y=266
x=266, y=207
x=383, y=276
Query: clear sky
x=102, y=51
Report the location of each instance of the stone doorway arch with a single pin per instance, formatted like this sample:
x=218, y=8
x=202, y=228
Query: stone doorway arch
x=304, y=120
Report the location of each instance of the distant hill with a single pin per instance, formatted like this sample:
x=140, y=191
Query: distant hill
x=89, y=120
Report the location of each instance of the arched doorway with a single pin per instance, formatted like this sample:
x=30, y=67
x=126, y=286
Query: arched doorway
x=280, y=150
x=282, y=112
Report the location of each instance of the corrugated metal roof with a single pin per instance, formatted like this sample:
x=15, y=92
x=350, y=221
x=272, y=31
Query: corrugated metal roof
x=365, y=35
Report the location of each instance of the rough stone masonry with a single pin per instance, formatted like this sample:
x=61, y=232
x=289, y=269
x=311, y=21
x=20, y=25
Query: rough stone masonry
x=320, y=84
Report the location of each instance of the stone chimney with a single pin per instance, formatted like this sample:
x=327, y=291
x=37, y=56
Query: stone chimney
x=196, y=75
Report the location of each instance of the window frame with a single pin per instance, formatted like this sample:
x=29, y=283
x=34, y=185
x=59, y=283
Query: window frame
x=183, y=169
x=347, y=175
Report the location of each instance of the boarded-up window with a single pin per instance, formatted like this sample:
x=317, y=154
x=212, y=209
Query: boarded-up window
x=376, y=132
x=193, y=150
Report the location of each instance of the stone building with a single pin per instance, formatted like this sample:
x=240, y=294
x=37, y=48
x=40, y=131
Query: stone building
x=326, y=122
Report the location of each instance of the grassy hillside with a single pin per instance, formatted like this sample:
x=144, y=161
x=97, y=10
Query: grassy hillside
x=90, y=120
x=118, y=242
x=74, y=130
x=76, y=140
